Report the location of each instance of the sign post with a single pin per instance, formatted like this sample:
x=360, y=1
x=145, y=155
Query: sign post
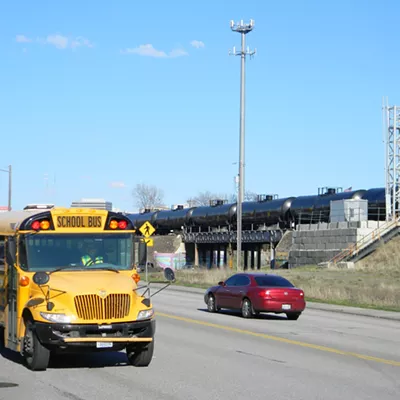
x=147, y=230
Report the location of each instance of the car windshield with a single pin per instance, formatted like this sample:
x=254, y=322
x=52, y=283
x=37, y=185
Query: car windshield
x=272, y=281
x=48, y=252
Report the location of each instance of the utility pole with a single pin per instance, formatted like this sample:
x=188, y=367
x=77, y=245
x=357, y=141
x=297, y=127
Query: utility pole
x=391, y=123
x=243, y=29
x=9, y=185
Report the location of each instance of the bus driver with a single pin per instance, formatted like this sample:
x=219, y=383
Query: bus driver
x=91, y=253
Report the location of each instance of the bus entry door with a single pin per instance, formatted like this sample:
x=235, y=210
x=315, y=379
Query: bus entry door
x=11, y=293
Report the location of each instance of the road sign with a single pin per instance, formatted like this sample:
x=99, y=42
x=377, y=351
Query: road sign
x=147, y=229
x=148, y=242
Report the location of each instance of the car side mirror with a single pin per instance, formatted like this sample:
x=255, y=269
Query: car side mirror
x=222, y=283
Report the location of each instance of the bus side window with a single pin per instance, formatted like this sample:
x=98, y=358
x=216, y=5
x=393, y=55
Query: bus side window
x=11, y=250
x=22, y=253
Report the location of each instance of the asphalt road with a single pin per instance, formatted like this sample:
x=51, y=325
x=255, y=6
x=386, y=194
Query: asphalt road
x=199, y=355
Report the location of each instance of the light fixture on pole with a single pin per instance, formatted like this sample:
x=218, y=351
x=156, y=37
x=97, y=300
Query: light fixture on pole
x=243, y=29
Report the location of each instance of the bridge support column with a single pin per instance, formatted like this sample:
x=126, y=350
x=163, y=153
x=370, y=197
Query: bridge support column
x=272, y=263
x=246, y=260
x=196, y=255
x=229, y=256
x=259, y=256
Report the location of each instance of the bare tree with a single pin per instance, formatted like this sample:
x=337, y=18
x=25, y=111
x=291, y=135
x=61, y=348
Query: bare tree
x=248, y=196
x=204, y=198
x=147, y=196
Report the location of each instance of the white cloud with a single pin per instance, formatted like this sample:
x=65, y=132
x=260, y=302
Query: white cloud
x=197, y=44
x=178, y=53
x=59, y=41
x=147, y=50
x=22, y=39
x=81, y=41
x=117, y=184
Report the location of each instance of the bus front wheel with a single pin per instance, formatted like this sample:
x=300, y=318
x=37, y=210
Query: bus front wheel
x=35, y=354
x=140, y=355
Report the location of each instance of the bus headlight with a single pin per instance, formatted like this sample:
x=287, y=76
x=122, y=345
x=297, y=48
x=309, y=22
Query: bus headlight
x=58, y=318
x=145, y=314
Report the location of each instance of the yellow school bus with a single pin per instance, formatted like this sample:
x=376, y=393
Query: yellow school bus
x=70, y=285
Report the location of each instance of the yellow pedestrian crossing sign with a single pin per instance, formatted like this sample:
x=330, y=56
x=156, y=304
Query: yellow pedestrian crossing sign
x=147, y=229
x=148, y=242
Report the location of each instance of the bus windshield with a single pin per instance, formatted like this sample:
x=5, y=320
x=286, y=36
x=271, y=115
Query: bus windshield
x=48, y=252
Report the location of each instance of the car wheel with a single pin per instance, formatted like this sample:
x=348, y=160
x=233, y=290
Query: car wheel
x=247, y=309
x=293, y=316
x=211, y=306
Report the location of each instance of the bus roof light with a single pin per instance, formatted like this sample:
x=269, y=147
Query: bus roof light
x=122, y=224
x=44, y=224
x=35, y=225
x=113, y=224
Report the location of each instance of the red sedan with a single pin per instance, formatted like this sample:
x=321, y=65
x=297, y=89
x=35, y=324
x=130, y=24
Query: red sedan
x=253, y=293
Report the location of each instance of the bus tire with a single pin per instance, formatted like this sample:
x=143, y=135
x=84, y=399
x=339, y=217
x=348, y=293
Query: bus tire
x=36, y=356
x=140, y=355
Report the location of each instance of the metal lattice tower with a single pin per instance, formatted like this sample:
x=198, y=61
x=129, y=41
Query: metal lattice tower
x=391, y=120
x=243, y=29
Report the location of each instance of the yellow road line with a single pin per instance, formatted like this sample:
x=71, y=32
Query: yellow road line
x=281, y=339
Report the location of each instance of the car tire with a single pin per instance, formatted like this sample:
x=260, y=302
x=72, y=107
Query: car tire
x=211, y=304
x=247, y=308
x=293, y=316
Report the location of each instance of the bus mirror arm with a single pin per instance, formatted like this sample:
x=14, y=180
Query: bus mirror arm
x=42, y=278
x=169, y=277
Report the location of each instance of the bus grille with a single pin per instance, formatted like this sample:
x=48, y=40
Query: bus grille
x=93, y=307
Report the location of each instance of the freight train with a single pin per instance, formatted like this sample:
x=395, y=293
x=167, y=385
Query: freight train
x=267, y=211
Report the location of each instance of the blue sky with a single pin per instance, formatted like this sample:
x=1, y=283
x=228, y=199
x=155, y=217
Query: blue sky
x=80, y=104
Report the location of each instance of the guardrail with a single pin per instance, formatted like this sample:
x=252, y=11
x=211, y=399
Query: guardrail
x=366, y=241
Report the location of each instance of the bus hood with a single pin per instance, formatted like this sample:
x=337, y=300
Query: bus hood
x=91, y=282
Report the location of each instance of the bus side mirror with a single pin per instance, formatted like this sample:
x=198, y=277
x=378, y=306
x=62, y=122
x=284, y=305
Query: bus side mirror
x=169, y=274
x=40, y=278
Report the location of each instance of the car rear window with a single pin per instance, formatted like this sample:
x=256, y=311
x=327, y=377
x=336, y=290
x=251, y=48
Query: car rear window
x=277, y=281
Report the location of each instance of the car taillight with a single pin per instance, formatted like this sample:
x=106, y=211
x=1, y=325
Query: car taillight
x=301, y=293
x=265, y=294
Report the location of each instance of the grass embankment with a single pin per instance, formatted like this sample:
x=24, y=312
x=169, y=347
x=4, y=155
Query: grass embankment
x=374, y=283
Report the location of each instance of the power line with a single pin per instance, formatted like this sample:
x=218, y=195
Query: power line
x=243, y=29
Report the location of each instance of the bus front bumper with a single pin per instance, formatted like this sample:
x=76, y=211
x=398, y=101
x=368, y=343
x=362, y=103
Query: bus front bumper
x=95, y=335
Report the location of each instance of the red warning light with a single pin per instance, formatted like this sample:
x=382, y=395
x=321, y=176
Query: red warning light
x=35, y=225
x=122, y=224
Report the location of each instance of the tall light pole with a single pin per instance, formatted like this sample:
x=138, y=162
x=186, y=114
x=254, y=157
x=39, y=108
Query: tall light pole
x=9, y=185
x=243, y=29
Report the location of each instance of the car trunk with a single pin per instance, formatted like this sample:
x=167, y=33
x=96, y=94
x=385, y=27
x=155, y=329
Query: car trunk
x=283, y=294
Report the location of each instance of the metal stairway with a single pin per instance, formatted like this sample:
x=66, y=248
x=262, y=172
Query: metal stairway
x=368, y=243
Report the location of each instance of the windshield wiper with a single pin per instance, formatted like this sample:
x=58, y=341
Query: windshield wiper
x=66, y=267
x=82, y=268
x=103, y=268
